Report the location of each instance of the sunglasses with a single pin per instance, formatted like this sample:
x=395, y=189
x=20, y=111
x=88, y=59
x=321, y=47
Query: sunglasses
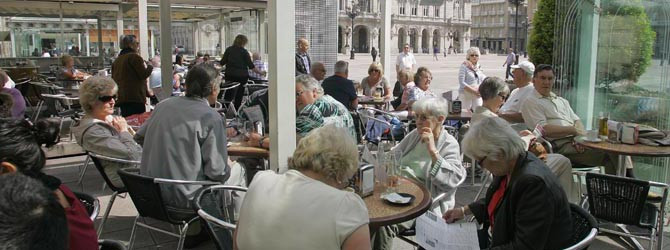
x=107, y=98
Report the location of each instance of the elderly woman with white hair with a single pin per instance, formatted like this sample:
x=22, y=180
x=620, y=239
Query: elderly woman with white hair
x=307, y=208
x=99, y=131
x=431, y=156
x=524, y=207
x=494, y=91
x=470, y=76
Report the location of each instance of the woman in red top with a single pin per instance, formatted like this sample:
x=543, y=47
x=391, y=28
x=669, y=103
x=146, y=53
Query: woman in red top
x=20, y=150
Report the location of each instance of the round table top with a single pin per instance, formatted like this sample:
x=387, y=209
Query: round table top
x=625, y=149
x=237, y=149
x=384, y=214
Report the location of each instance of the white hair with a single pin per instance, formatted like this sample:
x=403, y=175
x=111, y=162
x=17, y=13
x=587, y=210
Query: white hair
x=472, y=50
x=309, y=83
x=327, y=150
x=431, y=106
x=342, y=67
x=492, y=137
x=492, y=86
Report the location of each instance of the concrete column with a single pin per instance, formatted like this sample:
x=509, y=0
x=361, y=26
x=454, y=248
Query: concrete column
x=166, y=48
x=222, y=35
x=88, y=41
x=196, y=37
x=281, y=20
x=119, y=28
x=78, y=41
x=152, y=49
x=62, y=35
x=430, y=41
x=385, y=45
x=144, y=30
x=588, y=48
x=419, y=41
x=101, y=58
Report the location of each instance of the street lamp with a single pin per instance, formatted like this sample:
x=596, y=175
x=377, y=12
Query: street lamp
x=516, y=4
x=353, y=11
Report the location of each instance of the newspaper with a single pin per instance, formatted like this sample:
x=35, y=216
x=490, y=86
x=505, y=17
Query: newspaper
x=432, y=232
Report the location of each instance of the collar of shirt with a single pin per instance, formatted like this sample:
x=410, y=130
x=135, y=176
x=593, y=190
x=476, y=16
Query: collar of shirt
x=540, y=96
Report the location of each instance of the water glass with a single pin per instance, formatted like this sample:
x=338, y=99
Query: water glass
x=391, y=173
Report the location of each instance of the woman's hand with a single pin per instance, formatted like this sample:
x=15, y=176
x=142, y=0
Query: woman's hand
x=454, y=215
x=428, y=138
x=255, y=140
x=119, y=123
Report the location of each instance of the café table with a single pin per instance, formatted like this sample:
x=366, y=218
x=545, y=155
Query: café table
x=464, y=116
x=382, y=213
x=377, y=102
x=623, y=150
x=238, y=149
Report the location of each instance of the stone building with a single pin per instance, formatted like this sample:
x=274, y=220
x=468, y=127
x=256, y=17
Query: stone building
x=424, y=24
x=493, y=25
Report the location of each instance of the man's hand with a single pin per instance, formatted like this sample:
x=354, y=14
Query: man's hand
x=231, y=132
x=454, y=215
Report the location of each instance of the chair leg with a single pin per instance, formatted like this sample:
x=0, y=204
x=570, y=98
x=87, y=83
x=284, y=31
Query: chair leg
x=151, y=234
x=83, y=172
x=107, y=210
x=132, y=233
x=182, y=236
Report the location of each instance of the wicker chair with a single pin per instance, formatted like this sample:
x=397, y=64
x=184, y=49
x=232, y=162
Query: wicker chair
x=585, y=228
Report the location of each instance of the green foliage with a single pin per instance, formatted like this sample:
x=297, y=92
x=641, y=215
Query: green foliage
x=541, y=44
x=629, y=40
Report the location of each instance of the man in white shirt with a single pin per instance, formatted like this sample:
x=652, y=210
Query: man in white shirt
x=560, y=124
x=523, y=74
x=405, y=60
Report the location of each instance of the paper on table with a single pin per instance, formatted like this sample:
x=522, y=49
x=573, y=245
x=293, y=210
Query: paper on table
x=432, y=232
x=395, y=197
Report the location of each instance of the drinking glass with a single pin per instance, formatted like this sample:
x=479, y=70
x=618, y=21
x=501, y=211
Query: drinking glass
x=391, y=173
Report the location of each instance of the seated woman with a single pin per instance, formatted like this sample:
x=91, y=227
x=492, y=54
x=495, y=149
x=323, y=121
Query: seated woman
x=524, y=207
x=494, y=91
x=375, y=81
x=20, y=151
x=102, y=133
x=405, y=78
x=431, y=156
x=422, y=81
x=68, y=72
x=308, y=209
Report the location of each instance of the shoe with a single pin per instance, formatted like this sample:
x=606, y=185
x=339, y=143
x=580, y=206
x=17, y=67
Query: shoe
x=192, y=241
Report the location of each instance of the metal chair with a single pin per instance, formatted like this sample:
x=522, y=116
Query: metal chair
x=584, y=228
x=228, y=100
x=96, y=158
x=365, y=114
x=216, y=206
x=623, y=201
x=91, y=204
x=146, y=192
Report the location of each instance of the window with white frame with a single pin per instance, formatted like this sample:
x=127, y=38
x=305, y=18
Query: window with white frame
x=414, y=11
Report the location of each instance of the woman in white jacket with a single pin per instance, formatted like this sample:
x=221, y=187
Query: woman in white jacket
x=470, y=76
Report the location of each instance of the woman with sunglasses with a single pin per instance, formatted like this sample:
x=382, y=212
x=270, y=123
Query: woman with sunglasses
x=21, y=151
x=431, y=156
x=376, y=82
x=102, y=133
x=493, y=91
x=470, y=76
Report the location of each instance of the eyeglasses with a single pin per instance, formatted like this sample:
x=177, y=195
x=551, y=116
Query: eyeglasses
x=504, y=97
x=297, y=94
x=475, y=55
x=481, y=161
x=107, y=98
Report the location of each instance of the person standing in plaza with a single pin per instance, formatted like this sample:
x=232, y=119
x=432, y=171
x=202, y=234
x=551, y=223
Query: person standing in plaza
x=436, y=51
x=373, y=52
x=130, y=72
x=405, y=60
x=302, y=60
x=509, y=62
x=470, y=76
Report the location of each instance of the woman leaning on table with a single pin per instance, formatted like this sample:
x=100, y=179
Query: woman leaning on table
x=524, y=207
x=305, y=207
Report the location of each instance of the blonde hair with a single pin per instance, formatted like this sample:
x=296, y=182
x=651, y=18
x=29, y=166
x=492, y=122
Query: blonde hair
x=406, y=74
x=327, y=150
x=65, y=58
x=376, y=66
x=93, y=88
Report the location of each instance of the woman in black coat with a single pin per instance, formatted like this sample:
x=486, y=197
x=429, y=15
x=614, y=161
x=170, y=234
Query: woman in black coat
x=238, y=63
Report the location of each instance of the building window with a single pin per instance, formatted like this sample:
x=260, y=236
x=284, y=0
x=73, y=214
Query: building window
x=437, y=12
x=425, y=11
x=414, y=11
x=402, y=10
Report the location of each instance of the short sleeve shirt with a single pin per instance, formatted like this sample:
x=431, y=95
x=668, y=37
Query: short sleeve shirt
x=367, y=90
x=406, y=61
x=416, y=94
x=553, y=110
x=516, y=99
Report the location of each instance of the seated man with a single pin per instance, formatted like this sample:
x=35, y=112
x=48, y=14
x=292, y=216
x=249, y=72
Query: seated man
x=341, y=88
x=314, y=110
x=318, y=71
x=186, y=140
x=523, y=74
x=30, y=214
x=560, y=123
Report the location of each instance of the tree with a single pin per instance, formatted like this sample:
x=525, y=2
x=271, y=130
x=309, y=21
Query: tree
x=541, y=44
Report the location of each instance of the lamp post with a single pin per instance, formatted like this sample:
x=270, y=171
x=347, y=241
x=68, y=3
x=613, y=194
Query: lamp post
x=516, y=4
x=353, y=11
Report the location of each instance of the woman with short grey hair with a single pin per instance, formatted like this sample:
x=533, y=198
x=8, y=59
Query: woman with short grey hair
x=524, y=206
x=494, y=92
x=470, y=76
x=101, y=132
x=308, y=204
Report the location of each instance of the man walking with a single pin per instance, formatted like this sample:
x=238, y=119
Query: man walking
x=509, y=61
x=405, y=60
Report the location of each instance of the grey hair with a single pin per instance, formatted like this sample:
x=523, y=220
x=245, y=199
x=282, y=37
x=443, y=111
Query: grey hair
x=309, y=83
x=472, y=50
x=336, y=160
x=493, y=86
x=431, y=106
x=93, y=88
x=492, y=137
x=127, y=41
x=342, y=67
x=202, y=80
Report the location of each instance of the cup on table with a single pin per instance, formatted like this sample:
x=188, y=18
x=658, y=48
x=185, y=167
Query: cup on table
x=391, y=165
x=592, y=135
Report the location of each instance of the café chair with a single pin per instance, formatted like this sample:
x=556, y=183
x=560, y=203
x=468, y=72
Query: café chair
x=147, y=197
x=584, y=228
x=91, y=204
x=217, y=205
x=228, y=99
x=117, y=191
x=111, y=245
x=623, y=202
x=366, y=114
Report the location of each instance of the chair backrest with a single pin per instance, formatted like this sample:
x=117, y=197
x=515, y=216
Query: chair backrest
x=616, y=199
x=91, y=204
x=98, y=162
x=146, y=194
x=218, y=206
x=584, y=227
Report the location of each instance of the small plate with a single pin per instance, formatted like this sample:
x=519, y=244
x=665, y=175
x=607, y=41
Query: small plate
x=596, y=140
x=399, y=203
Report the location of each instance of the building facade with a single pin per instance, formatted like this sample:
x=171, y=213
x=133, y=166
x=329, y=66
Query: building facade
x=428, y=26
x=493, y=25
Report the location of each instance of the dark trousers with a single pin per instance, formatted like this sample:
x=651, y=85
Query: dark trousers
x=131, y=108
x=374, y=58
x=239, y=93
x=508, y=73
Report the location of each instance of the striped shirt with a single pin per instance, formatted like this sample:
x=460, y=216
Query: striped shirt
x=325, y=110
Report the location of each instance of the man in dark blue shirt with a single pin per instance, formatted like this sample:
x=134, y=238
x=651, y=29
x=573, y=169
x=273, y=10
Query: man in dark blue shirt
x=341, y=88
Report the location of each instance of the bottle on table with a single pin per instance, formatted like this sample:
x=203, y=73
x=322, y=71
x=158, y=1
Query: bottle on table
x=602, y=124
